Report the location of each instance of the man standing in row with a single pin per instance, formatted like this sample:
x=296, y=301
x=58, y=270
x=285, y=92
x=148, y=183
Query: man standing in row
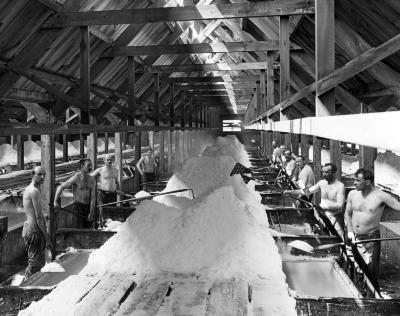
x=147, y=167
x=363, y=214
x=34, y=231
x=83, y=189
x=332, y=197
x=108, y=184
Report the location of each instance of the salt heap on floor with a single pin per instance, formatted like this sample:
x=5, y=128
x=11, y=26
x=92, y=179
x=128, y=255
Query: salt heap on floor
x=222, y=234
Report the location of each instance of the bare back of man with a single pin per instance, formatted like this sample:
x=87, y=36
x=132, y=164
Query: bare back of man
x=31, y=193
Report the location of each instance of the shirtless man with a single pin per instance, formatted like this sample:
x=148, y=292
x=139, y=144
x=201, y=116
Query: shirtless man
x=332, y=197
x=363, y=214
x=277, y=154
x=83, y=189
x=289, y=164
x=34, y=231
x=108, y=184
x=305, y=177
x=147, y=167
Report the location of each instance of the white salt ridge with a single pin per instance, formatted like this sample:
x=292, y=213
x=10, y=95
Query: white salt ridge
x=111, y=225
x=52, y=267
x=220, y=235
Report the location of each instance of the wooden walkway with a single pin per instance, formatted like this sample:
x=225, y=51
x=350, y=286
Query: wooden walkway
x=161, y=294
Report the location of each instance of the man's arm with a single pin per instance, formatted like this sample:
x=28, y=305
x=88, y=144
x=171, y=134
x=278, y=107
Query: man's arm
x=118, y=185
x=348, y=214
x=96, y=173
x=390, y=201
x=139, y=165
x=35, y=196
x=61, y=188
x=92, y=200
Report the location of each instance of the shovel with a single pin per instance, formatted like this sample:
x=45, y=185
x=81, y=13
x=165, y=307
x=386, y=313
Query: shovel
x=147, y=197
x=302, y=245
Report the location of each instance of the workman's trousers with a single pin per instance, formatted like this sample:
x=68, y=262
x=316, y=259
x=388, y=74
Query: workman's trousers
x=35, y=245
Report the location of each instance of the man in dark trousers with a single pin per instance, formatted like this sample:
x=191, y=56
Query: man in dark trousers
x=34, y=231
x=83, y=189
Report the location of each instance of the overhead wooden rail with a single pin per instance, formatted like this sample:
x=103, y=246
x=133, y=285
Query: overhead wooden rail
x=215, y=79
x=216, y=47
x=208, y=67
x=350, y=69
x=189, y=13
x=363, y=129
x=59, y=129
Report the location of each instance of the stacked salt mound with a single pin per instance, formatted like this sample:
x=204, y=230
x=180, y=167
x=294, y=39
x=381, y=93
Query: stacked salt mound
x=220, y=235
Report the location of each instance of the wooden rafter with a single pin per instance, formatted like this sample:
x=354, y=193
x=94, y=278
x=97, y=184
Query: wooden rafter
x=349, y=70
x=216, y=47
x=207, y=67
x=191, y=13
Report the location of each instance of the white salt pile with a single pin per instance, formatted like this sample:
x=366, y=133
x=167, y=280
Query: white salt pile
x=52, y=267
x=8, y=155
x=222, y=234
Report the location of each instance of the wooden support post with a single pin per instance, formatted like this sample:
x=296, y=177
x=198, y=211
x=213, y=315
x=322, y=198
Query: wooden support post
x=258, y=104
x=367, y=157
x=81, y=146
x=131, y=97
x=118, y=155
x=190, y=111
x=106, y=143
x=156, y=99
x=85, y=72
x=284, y=50
x=336, y=156
x=171, y=105
x=20, y=152
x=161, y=135
x=201, y=115
x=131, y=91
x=92, y=149
x=138, y=155
x=270, y=80
x=353, y=149
x=177, y=152
x=367, y=154
x=317, y=165
x=151, y=139
x=295, y=144
x=183, y=110
x=85, y=77
x=48, y=163
x=65, y=147
x=325, y=53
x=263, y=98
x=268, y=150
x=169, y=157
x=305, y=146
x=287, y=140
x=262, y=140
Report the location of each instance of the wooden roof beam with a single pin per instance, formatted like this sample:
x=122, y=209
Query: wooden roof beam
x=190, y=13
x=199, y=48
x=29, y=96
x=180, y=80
x=353, y=67
x=208, y=67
